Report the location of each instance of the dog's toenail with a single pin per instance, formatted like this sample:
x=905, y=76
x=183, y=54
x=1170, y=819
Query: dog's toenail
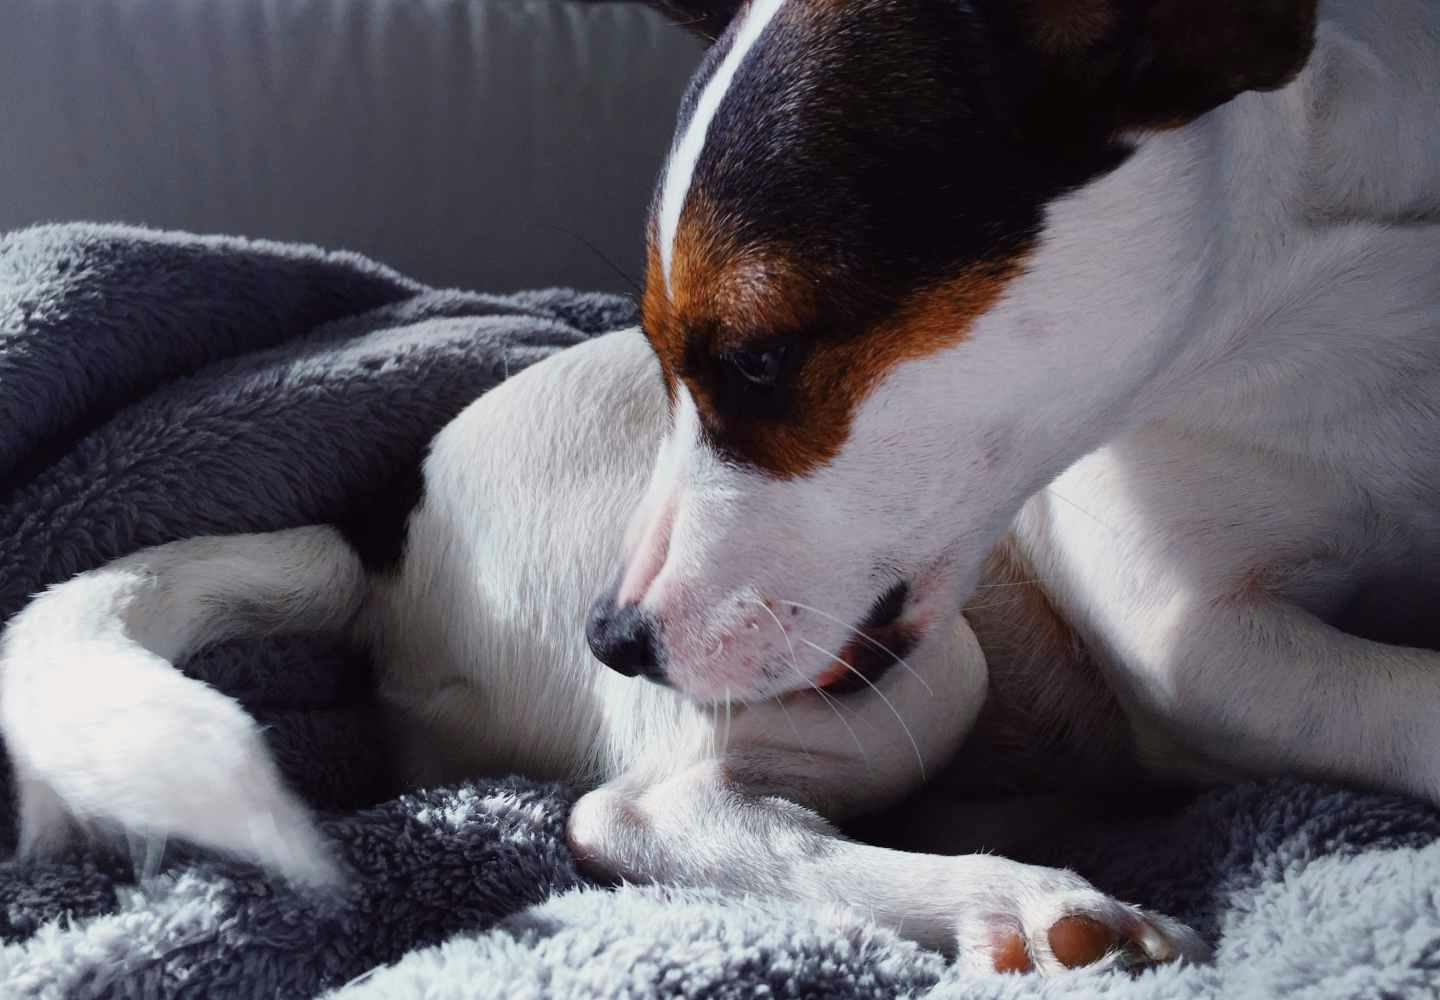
x=1080, y=940
x=1010, y=954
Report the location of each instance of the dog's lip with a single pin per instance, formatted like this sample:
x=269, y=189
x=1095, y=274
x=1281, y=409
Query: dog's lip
x=876, y=645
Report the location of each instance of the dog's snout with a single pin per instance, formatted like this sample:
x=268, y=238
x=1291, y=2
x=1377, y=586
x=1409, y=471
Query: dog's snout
x=625, y=639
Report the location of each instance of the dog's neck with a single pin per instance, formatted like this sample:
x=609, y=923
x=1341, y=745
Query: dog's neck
x=1260, y=252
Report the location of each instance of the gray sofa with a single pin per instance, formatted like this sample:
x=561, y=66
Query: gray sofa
x=478, y=143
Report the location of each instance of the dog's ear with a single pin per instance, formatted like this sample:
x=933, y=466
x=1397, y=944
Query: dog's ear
x=1164, y=62
x=707, y=19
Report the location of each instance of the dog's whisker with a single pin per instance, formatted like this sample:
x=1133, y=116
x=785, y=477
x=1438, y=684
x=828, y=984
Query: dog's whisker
x=993, y=604
x=728, y=721
x=839, y=714
x=835, y=706
x=914, y=744
x=1060, y=496
x=1003, y=586
x=794, y=665
x=804, y=748
x=854, y=737
x=873, y=642
x=620, y=272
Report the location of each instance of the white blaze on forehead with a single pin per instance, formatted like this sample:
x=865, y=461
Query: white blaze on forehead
x=647, y=538
x=672, y=463
x=686, y=153
x=684, y=437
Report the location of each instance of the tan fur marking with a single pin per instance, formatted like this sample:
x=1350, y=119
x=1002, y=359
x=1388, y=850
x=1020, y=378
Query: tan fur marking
x=732, y=295
x=1050, y=712
x=839, y=375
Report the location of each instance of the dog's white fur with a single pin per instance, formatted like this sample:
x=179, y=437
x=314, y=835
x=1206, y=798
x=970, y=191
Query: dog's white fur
x=1236, y=330
x=1209, y=410
x=480, y=645
x=690, y=143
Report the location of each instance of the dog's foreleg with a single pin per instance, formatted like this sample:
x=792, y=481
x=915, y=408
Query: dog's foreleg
x=103, y=730
x=1266, y=688
x=700, y=829
x=746, y=822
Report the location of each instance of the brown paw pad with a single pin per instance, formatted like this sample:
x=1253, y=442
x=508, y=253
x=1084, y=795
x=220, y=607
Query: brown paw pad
x=1080, y=940
x=1011, y=955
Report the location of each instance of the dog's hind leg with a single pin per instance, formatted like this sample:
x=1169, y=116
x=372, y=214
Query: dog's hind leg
x=103, y=731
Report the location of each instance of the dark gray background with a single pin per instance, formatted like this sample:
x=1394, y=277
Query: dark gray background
x=466, y=142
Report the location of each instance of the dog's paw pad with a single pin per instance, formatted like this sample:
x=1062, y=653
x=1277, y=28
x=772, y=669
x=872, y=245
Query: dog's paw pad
x=1079, y=940
x=1009, y=953
x=1111, y=934
x=1074, y=928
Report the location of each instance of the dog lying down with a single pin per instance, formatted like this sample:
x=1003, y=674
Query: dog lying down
x=479, y=637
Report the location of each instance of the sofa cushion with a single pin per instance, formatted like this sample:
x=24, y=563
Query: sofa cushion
x=480, y=143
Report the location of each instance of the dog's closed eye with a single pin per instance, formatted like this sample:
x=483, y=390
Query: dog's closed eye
x=763, y=366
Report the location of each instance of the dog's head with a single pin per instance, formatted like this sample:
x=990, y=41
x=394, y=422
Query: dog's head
x=860, y=300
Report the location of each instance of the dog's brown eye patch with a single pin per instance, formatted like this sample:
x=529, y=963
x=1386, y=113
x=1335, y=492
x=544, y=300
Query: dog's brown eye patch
x=842, y=371
x=731, y=322
x=784, y=403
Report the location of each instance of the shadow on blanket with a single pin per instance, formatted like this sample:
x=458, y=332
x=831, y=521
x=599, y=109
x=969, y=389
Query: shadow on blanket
x=157, y=386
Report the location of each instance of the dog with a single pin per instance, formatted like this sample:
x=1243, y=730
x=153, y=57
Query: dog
x=1145, y=291
x=477, y=628
x=1122, y=305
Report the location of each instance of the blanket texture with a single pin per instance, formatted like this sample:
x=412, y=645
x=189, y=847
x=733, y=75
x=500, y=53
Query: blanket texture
x=158, y=386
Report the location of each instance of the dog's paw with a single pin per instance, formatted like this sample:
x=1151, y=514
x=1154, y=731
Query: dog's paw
x=1050, y=921
x=608, y=834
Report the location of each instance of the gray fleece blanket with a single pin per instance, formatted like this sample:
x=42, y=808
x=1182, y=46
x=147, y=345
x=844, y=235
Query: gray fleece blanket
x=157, y=386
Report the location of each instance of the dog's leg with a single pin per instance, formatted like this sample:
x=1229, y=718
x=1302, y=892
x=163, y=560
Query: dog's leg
x=101, y=727
x=745, y=822
x=1264, y=687
x=701, y=829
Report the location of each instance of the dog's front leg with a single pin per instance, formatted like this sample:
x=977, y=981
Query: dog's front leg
x=701, y=828
x=1263, y=687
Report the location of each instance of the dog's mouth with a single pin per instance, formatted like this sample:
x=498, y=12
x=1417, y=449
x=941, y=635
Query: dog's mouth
x=878, y=643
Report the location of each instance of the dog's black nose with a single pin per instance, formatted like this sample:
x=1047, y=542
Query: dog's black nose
x=624, y=639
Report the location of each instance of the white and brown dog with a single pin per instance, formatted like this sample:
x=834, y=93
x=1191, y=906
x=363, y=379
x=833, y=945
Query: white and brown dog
x=1128, y=307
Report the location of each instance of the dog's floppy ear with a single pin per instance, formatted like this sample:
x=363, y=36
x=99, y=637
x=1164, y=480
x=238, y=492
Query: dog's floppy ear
x=707, y=19
x=1164, y=62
